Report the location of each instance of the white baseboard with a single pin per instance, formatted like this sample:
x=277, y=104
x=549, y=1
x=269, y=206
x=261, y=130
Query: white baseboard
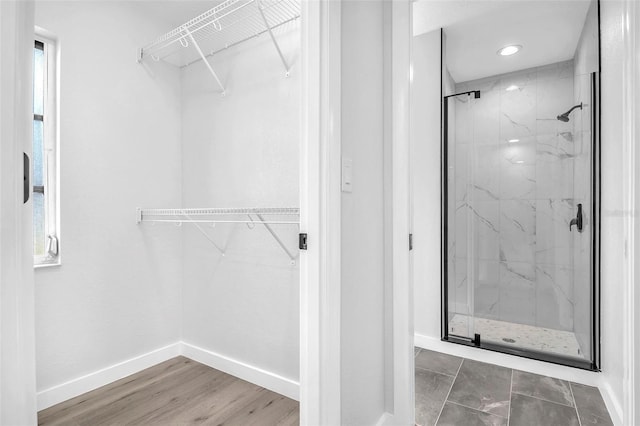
x=102, y=377
x=510, y=361
x=613, y=404
x=91, y=381
x=385, y=420
x=590, y=378
x=250, y=373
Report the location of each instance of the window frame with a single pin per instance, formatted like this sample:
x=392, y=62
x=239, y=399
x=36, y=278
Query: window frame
x=51, y=157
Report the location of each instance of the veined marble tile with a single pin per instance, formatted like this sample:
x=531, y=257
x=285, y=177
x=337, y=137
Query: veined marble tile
x=555, y=71
x=582, y=94
x=554, y=97
x=482, y=84
x=554, y=242
x=518, y=80
x=460, y=230
x=518, y=292
x=517, y=231
x=460, y=119
x=484, y=173
x=582, y=169
x=459, y=169
x=461, y=285
x=486, y=291
x=486, y=114
x=518, y=113
x=483, y=234
x=554, y=167
x=517, y=171
x=452, y=271
x=554, y=297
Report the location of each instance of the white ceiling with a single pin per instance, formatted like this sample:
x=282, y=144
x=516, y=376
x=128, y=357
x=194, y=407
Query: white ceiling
x=475, y=29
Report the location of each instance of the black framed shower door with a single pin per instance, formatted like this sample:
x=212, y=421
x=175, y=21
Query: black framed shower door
x=462, y=321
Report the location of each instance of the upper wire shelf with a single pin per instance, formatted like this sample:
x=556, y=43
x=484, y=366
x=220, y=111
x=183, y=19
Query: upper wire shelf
x=225, y=25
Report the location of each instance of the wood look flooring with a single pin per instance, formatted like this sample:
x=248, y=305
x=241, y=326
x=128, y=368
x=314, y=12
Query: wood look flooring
x=176, y=392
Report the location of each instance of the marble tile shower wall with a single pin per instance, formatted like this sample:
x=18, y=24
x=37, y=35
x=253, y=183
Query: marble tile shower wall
x=513, y=184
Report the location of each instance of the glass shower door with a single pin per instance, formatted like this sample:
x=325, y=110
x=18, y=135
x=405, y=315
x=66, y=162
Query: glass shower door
x=518, y=167
x=462, y=269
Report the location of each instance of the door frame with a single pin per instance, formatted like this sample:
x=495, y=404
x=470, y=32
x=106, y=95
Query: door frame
x=17, y=325
x=320, y=214
x=631, y=193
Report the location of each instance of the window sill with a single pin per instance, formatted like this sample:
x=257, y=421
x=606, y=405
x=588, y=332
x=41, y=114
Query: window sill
x=47, y=265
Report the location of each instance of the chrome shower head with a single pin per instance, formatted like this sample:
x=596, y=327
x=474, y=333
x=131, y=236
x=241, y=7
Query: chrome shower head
x=565, y=117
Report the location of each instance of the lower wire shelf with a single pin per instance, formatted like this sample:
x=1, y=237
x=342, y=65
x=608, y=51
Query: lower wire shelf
x=265, y=216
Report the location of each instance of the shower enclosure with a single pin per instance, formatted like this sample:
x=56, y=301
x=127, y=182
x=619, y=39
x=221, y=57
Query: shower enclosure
x=520, y=213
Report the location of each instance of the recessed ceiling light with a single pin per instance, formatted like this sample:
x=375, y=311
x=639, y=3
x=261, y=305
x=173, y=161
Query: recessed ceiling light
x=514, y=140
x=512, y=88
x=519, y=161
x=509, y=50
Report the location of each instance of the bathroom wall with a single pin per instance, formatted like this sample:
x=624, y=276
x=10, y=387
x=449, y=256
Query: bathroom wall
x=117, y=293
x=513, y=171
x=614, y=259
x=362, y=315
x=425, y=185
x=241, y=150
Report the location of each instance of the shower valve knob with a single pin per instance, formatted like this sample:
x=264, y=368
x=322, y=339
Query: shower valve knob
x=577, y=221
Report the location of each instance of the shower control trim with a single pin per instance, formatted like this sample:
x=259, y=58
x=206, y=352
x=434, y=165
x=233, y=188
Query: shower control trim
x=577, y=220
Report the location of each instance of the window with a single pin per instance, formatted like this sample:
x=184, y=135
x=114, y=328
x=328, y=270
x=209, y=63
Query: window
x=44, y=157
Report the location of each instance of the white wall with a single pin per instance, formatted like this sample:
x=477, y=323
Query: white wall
x=612, y=234
x=425, y=157
x=117, y=293
x=242, y=151
x=362, y=249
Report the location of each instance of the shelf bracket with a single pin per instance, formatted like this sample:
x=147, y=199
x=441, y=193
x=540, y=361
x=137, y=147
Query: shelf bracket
x=204, y=59
x=203, y=232
x=273, y=39
x=275, y=236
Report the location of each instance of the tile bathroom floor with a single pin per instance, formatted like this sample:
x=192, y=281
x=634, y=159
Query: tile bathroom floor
x=461, y=392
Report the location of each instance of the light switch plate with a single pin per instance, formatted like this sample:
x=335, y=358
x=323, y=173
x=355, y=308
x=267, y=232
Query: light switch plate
x=347, y=175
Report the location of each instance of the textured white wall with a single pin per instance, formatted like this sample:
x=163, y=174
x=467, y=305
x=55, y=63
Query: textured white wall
x=117, y=294
x=613, y=242
x=425, y=157
x=242, y=151
x=362, y=250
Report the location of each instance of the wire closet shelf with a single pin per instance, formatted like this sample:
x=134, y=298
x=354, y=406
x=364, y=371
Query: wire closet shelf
x=221, y=215
x=221, y=27
x=265, y=216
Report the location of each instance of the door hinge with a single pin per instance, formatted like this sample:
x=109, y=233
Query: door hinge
x=410, y=241
x=302, y=241
x=26, y=181
x=476, y=339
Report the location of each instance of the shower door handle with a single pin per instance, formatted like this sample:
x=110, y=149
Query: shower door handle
x=577, y=220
